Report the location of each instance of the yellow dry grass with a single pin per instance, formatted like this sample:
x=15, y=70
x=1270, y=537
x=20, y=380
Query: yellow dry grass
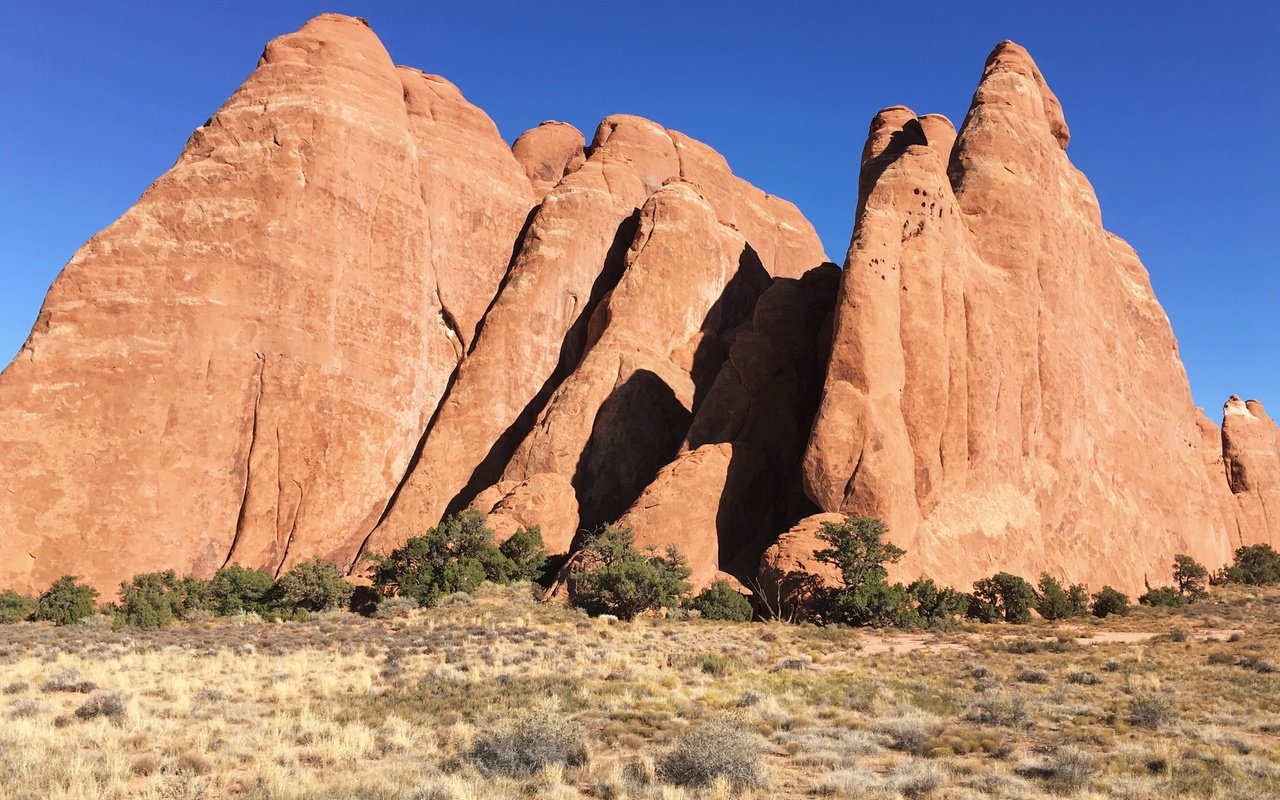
x=346, y=707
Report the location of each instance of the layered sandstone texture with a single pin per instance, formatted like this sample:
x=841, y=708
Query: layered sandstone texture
x=350, y=309
x=1251, y=458
x=239, y=368
x=631, y=278
x=249, y=366
x=1004, y=390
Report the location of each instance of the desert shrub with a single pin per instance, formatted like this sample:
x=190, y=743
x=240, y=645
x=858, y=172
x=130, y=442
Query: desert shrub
x=530, y=743
x=1030, y=675
x=1078, y=601
x=858, y=550
x=457, y=556
x=315, y=585
x=1055, y=602
x=911, y=732
x=719, y=749
x=525, y=554
x=937, y=606
x=67, y=601
x=1151, y=709
x=999, y=708
x=15, y=607
x=68, y=680
x=1259, y=664
x=715, y=664
x=876, y=604
x=111, y=704
x=1110, y=601
x=1163, y=597
x=239, y=590
x=917, y=778
x=1002, y=596
x=1258, y=565
x=156, y=599
x=1083, y=678
x=721, y=601
x=1190, y=576
x=1070, y=768
x=25, y=707
x=610, y=576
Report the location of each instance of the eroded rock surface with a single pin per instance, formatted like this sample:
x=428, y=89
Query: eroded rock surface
x=581, y=243
x=548, y=153
x=1004, y=390
x=240, y=366
x=350, y=308
x=1251, y=457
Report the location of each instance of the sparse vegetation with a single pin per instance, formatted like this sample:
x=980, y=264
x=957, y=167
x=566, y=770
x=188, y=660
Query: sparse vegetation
x=1151, y=709
x=239, y=590
x=1257, y=565
x=1163, y=597
x=858, y=550
x=15, y=607
x=1002, y=596
x=721, y=601
x=315, y=585
x=496, y=695
x=457, y=556
x=610, y=576
x=67, y=601
x=719, y=749
x=1053, y=602
x=157, y=599
x=1190, y=576
x=532, y=742
x=1110, y=601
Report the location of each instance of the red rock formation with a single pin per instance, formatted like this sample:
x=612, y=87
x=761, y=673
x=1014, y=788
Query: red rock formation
x=546, y=501
x=655, y=346
x=1004, y=389
x=1251, y=456
x=735, y=484
x=548, y=153
x=239, y=367
x=339, y=316
x=790, y=574
x=572, y=257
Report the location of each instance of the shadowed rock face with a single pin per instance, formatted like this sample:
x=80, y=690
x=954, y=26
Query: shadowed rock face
x=349, y=309
x=585, y=238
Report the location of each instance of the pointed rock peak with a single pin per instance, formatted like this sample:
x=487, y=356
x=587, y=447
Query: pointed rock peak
x=1010, y=59
x=619, y=128
x=333, y=16
x=889, y=132
x=939, y=133
x=892, y=131
x=677, y=190
x=548, y=153
x=1237, y=407
x=331, y=38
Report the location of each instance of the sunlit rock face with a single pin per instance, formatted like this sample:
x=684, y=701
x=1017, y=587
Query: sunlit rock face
x=350, y=309
x=1004, y=390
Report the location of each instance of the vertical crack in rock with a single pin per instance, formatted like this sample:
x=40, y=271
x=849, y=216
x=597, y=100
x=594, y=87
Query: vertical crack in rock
x=293, y=526
x=248, y=459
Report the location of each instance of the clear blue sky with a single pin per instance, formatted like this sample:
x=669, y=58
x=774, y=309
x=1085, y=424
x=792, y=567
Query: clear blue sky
x=1174, y=109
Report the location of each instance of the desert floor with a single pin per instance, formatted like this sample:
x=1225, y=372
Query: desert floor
x=1155, y=705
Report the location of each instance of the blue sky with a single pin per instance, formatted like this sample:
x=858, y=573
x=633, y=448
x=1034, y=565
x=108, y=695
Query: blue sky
x=1174, y=109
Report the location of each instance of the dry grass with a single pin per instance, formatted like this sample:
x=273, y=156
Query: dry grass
x=407, y=707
